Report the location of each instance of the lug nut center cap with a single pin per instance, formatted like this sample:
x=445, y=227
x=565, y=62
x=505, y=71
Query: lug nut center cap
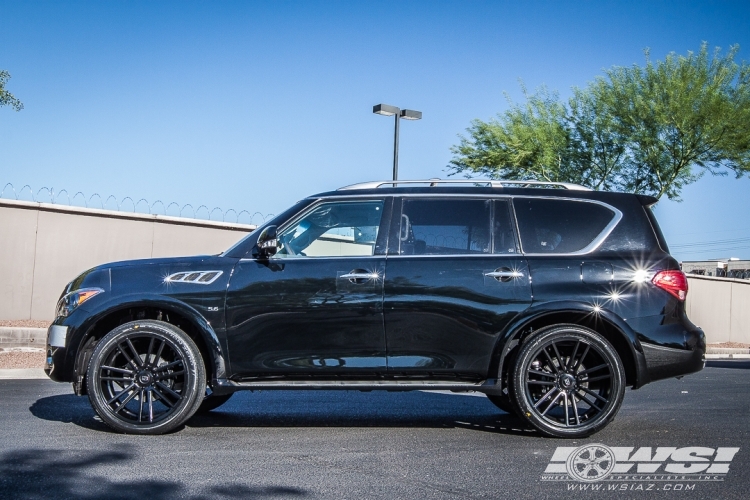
x=567, y=381
x=145, y=378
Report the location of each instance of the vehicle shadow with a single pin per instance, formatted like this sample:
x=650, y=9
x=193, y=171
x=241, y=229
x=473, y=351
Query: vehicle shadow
x=50, y=474
x=320, y=409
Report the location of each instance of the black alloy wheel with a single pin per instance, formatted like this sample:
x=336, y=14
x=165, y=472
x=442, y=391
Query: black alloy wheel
x=568, y=381
x=146, y=377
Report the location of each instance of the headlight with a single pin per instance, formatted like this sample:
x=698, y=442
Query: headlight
x=70, y=301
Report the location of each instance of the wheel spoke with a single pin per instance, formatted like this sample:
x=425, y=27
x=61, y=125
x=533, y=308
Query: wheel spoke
x=540, y=382
x=130, y=360
x=125, y=401
x=150, y=350
x=136, y=357
x=542, y=373
x=140, y=410
x=546, y=396
x=168, y=365
x=158, y=351
x=120, y=394
x=597, y=396
x=150, y=406
x=583, y=356
x=572, y=357
x=559, y=358
x=590, y=403
x=552, y=363
x=594, y=379
x=118, y=379
x=552, y=403
x=575, y=409
x=118, y=370
x=170, y=375
x=175, y=395
x=589, y=370
x=567, y=410
x=163, y=397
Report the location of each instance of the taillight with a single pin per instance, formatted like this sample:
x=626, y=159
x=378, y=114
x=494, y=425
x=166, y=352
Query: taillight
x=673, y=282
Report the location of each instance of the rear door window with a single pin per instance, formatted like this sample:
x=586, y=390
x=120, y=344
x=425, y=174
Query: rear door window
x=555, y=226
x=445, y=227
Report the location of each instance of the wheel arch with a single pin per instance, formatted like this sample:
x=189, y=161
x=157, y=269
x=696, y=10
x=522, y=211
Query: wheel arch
x=605, y=322
x=110, y=315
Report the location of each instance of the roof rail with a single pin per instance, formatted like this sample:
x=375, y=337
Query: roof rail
x=495, y=183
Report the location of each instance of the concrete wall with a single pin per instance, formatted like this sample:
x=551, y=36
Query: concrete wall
x=721, y=306
x=44, y=246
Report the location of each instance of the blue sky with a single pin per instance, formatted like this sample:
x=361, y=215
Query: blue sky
x=254, y=105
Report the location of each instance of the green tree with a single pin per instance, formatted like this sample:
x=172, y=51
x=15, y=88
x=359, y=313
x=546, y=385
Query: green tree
x=6, y=98
x=649, y=130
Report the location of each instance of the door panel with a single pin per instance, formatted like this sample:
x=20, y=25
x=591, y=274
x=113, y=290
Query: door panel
x=454, y=283
x=316, y=308
x=299, y=316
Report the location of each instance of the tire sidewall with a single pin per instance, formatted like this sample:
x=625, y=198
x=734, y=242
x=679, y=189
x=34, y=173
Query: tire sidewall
x=526, y=409
x=195, y=376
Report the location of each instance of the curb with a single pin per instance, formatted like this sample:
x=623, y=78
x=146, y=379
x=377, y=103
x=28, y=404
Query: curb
x=727, y=356
x=23, y=337
x=22, y=374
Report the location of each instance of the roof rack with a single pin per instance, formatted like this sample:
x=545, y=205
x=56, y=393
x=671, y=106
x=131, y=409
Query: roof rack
x=488, y=182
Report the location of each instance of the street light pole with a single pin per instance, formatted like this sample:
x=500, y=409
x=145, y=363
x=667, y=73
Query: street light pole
x=395, y=149
x=406, y=114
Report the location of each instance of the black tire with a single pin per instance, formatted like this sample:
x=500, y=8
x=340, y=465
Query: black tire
x=503, y=402
x=213, y=401
x=146, y=377
x=568, y=381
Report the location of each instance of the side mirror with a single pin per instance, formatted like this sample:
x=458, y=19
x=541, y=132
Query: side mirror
x=267, y=243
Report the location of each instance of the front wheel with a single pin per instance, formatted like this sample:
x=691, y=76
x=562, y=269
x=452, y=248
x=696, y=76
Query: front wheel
x=568, y=381
x=146, y=377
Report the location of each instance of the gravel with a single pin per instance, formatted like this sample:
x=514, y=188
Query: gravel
x=21, y=357
x=24, y=323
x=730, y=345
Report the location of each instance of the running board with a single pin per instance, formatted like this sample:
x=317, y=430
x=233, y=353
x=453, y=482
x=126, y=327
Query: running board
x=223, y=385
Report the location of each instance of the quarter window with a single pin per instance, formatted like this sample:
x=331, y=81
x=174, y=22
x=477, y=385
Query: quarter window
x=333, y=230
x=559, y=226
x=444, y=227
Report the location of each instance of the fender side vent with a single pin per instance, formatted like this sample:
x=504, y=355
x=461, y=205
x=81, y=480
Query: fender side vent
x=200, y=277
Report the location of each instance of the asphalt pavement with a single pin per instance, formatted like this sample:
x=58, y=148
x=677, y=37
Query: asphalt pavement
x=352, y=445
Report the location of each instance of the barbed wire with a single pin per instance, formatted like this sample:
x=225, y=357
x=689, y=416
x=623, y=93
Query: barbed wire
x=51, y=196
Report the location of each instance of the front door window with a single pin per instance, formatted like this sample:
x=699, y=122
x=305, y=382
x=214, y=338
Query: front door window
x=342, y=229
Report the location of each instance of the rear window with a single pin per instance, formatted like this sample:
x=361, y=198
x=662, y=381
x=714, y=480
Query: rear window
x=558, y=226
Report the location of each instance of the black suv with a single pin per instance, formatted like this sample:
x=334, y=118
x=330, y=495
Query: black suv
x=547, y=297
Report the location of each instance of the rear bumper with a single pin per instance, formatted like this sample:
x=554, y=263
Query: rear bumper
x=667, y=362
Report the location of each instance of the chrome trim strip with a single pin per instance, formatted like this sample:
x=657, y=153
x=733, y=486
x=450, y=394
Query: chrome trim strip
x=363, y=276
x=591, y=246
x=196, y=281
x=504, y=274
x=57, y=336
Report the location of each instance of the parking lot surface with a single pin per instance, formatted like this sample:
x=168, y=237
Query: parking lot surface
x=329, y=444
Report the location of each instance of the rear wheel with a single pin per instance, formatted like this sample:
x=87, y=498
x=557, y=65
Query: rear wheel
x=568, y=381
x=146, y=377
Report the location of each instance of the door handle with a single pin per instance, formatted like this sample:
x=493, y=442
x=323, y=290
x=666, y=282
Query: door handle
x=504, y=274
x=360, y=276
